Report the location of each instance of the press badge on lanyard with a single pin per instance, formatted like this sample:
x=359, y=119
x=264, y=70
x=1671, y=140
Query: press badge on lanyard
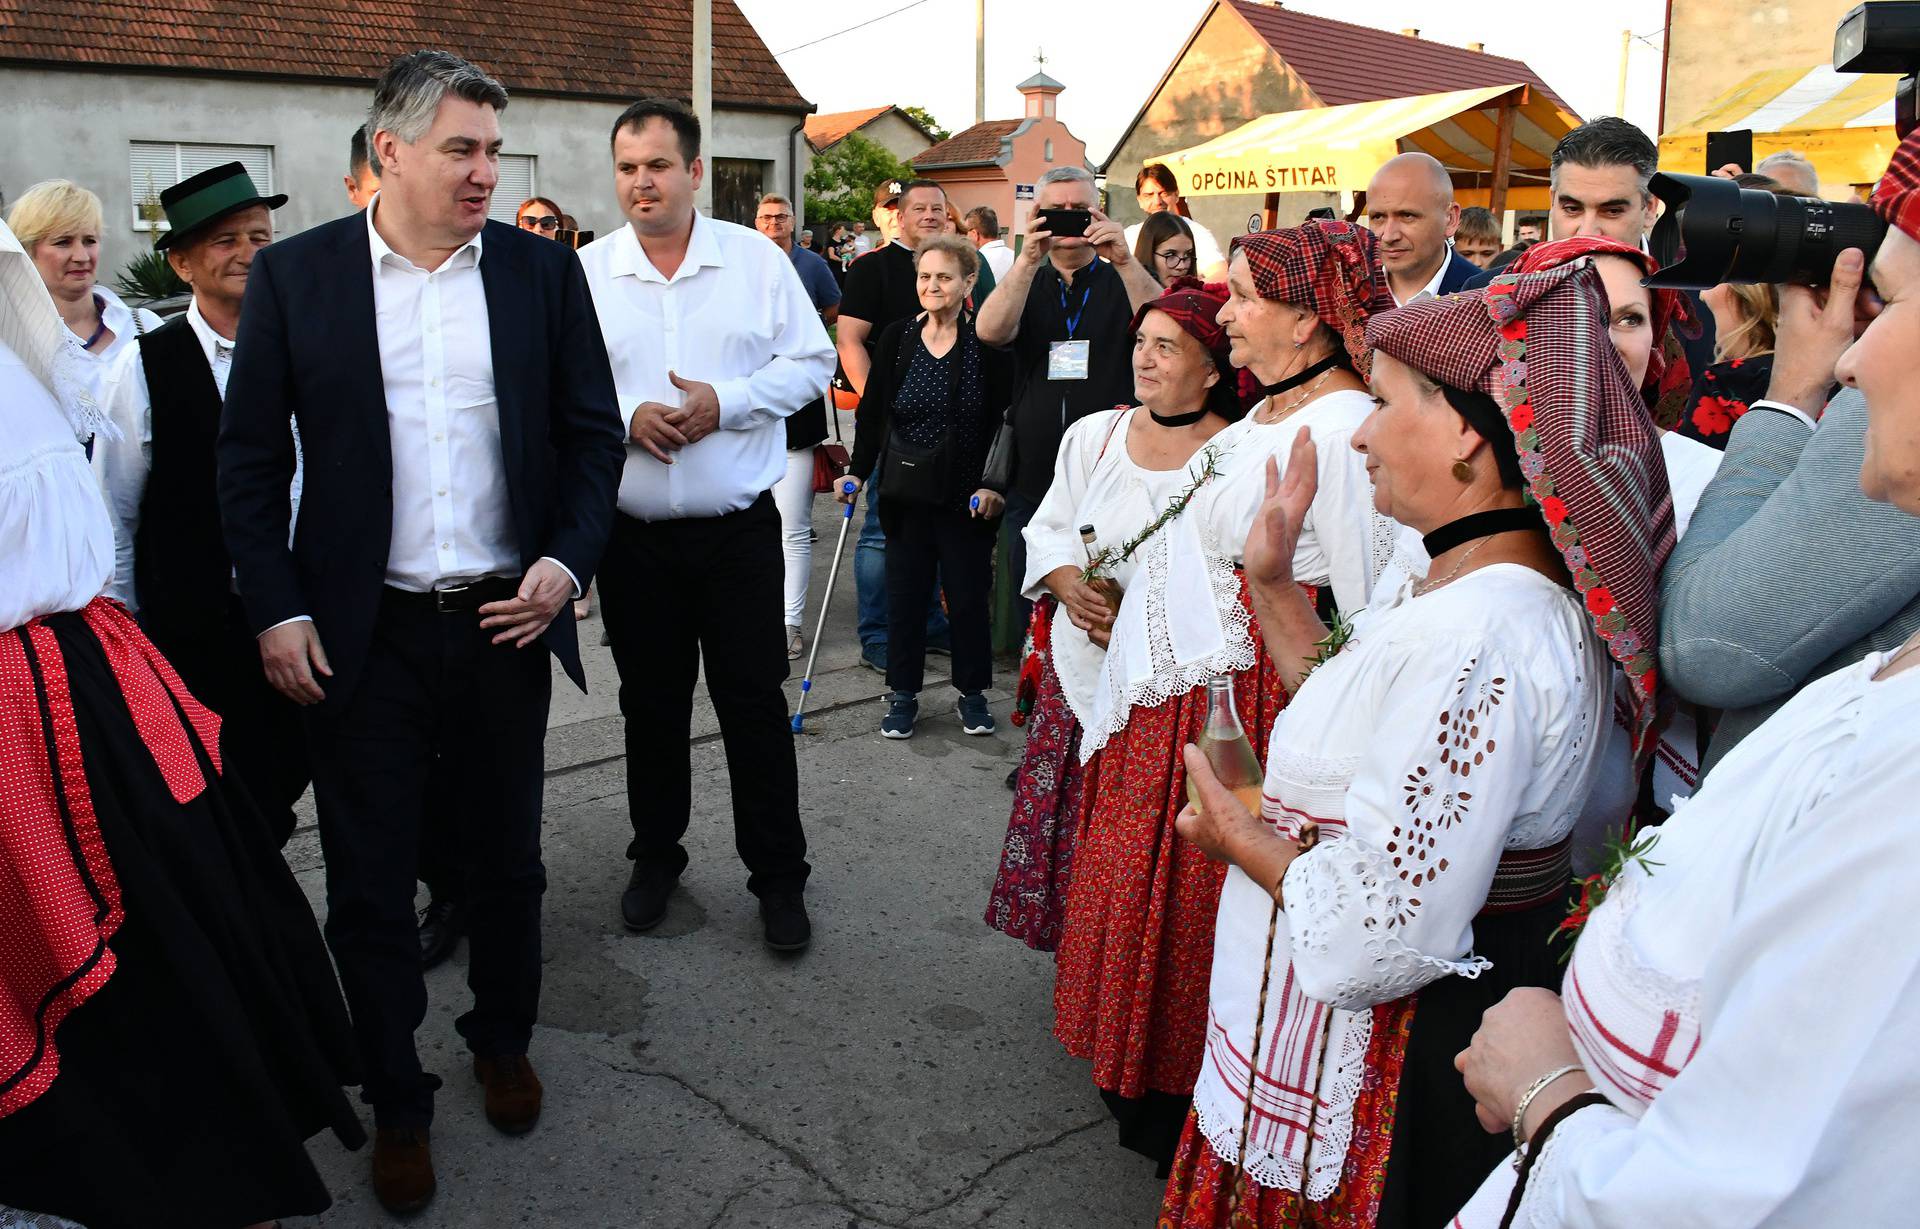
x=1067, y=360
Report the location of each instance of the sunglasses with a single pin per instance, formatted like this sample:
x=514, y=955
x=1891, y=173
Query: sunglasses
x=1172, y=257
x=544, y=222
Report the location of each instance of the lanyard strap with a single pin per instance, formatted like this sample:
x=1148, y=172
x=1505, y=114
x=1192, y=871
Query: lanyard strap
x=1086, y=292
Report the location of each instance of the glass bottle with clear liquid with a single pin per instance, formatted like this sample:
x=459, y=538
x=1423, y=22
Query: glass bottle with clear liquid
x=1223, y=740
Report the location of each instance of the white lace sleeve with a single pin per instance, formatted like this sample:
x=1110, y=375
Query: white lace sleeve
x=1053, y=535
x=1388, y=907
x=1346, y=543
x=121, y=459
x=1579, y=1133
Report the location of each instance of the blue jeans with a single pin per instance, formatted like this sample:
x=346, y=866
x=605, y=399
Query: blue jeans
x=870, y=580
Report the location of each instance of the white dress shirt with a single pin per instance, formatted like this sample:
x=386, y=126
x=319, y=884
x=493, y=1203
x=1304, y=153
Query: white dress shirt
x=1432, y=288
x=734, y=315
x=999, y=258
x=452, y=519
x=122, y=465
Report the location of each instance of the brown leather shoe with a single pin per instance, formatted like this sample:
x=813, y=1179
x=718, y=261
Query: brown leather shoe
x=402, y=1169
x=513, y=1092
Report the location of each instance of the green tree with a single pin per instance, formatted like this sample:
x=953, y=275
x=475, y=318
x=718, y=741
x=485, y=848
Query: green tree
x=840, y=182
x=924, y=118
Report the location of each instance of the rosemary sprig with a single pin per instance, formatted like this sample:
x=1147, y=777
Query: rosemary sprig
x=1330, y=645
x=1594, y=888
x=1109, y=557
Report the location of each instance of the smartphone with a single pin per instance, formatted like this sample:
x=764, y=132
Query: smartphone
x=1735, y=146
x=1065, y=223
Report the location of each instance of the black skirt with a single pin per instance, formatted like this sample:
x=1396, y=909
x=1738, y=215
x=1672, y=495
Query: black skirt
x=190, y=1082
x=1440, y=1153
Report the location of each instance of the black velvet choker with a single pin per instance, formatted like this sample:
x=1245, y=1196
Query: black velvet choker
x=1179, y=420
x=1481, y=525
x=1300, y=377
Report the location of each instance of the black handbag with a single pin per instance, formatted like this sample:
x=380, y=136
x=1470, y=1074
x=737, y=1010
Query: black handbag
x=916, y=474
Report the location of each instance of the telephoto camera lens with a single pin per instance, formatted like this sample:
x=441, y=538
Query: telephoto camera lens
x=1715, y=231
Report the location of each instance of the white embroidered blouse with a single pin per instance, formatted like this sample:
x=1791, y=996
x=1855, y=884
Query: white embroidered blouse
x=1161, y=646
x=1749, y=1006
x=1453, y=727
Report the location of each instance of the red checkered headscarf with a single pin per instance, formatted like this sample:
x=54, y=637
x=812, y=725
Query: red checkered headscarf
x=1537, y=344
x=1195, y=307
x=1330, y=268
x=1669, y=380
x=1897, y=198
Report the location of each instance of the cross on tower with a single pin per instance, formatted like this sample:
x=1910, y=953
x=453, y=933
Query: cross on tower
x=1040, y=58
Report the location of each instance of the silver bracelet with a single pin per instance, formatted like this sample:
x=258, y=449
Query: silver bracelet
x=1526, y=1098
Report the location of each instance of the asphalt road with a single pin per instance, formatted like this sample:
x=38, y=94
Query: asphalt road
x=900, y=1073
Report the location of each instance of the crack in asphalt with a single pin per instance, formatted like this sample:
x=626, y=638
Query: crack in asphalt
x=842, y=1199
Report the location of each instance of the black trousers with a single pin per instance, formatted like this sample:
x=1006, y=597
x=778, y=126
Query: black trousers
x=1020, y=512
x=928, y=547
x=674, y=594
x=433, y=685
x=262, y=742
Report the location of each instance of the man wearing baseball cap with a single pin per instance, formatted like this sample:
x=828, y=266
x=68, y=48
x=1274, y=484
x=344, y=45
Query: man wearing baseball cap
x=171, y=564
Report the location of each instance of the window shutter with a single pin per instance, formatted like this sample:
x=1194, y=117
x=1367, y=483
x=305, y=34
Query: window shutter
x=515, y=186
x=155, y=166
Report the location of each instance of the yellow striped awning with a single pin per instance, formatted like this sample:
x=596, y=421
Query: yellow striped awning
x=1842, y=122
x=1337, y=149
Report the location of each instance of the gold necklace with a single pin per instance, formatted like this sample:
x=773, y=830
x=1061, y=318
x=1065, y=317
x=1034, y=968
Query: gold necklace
x=1306, y=394
x=1426, y=587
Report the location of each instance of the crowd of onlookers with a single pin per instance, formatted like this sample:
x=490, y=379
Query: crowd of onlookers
x=1379, y=576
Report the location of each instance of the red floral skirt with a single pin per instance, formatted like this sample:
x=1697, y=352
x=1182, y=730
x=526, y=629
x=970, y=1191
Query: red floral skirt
x=1200, y=1190
x=1029, y=897
x=1136, y=952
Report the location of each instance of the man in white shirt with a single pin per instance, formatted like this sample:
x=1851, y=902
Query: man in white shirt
x=170, y=562
x=462, y=452
x=983, y=227
x=714, y=342
x=863, y=239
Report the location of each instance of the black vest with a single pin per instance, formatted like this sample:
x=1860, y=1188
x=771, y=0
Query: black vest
x=180, y=566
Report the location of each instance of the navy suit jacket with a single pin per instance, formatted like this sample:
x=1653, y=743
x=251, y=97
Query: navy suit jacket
x=307, y=348
x=1459, y=271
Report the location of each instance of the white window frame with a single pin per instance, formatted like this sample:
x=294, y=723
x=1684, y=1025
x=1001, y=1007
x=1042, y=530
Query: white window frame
x=180, y=150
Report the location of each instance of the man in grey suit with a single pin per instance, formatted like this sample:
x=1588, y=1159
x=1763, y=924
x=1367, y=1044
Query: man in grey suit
x=1788, y=572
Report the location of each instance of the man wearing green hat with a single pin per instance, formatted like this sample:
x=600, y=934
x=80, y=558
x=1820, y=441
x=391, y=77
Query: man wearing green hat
x=172, y=567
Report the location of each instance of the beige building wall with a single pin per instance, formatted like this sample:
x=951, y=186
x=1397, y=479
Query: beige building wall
x=1712, y=45
x=897, y=135
x=1229, y=76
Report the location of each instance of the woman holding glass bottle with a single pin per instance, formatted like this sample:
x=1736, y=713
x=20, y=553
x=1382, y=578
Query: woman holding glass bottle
x=1135, y=947
x=1442, y=757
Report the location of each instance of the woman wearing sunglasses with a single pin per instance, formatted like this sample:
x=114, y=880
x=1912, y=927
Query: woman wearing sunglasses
x=539, y=215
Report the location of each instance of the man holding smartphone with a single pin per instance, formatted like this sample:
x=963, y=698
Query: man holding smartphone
x=1064, y=309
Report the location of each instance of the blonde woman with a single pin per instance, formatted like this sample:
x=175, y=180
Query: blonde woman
x=1744, y=318
x=59, y=223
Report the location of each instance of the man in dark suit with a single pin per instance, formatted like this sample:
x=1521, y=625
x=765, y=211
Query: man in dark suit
x=1411, y=211
x=462, y=451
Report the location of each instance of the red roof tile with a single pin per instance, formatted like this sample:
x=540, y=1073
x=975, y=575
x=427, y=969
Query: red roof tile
x=1344, y=63
x=835, y=126
x=975, y=146
x=594, y=48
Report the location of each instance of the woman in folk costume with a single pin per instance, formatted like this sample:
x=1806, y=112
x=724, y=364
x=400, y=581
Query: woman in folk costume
x=1130, y=992
x=170, y=1028
x=1639, y=318
x=1733, y=1042
x=1186, y=385
x=1439, y=757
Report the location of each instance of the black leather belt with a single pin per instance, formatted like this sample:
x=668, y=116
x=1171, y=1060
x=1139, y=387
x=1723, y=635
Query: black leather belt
x=459, y=599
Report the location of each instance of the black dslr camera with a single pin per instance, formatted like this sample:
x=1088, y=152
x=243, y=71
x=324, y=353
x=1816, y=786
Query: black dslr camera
x=1715, y=231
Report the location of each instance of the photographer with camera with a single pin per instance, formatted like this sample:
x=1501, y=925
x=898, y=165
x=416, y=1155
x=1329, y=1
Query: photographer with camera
x=1788, y=571
x=1065, y=311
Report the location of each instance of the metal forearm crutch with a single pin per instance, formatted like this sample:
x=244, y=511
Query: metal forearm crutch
x=820, y=627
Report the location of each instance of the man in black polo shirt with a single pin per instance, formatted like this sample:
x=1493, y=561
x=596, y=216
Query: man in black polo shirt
x=882, y=287
x=1063, y=309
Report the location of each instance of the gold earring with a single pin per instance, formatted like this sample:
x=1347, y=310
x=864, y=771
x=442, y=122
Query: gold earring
x=1463, y=472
